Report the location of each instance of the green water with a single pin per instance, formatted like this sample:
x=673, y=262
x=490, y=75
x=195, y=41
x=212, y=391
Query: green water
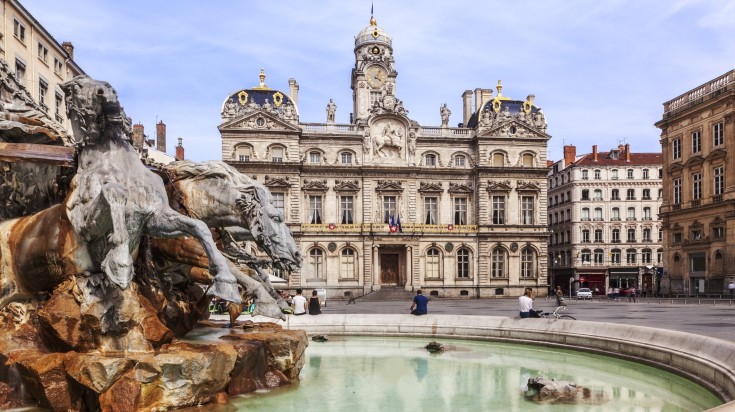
x=357, y=374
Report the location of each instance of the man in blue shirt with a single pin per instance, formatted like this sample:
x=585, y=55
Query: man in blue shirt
x=420, y=303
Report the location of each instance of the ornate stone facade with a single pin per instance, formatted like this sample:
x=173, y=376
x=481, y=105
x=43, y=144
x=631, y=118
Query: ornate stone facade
x=385, y=201
x=697, y=137
x=603, y=215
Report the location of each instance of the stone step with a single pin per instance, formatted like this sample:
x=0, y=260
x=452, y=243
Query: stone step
x=389, y=293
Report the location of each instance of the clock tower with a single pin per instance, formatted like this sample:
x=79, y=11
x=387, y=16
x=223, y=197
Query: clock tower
x=373, y=76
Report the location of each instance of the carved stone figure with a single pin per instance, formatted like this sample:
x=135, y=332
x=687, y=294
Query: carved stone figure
x=331, y=109
x=412, y=143
x=366, y=142
x=540, y=120
x=487, y=118
x=445, y=113
x=288, y=111
x=504, y=115
x=230, y=109
x=392, y=136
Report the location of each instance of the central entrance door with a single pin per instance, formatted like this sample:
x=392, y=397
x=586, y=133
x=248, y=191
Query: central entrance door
x=389, y=268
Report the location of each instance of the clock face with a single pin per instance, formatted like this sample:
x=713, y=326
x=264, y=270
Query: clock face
x=376, y=76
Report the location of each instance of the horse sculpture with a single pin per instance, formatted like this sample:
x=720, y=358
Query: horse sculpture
x=391, y=136
x=221, y=197
x=114, y=201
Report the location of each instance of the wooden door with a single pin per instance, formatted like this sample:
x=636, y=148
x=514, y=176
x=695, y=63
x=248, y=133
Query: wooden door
x=389, y=269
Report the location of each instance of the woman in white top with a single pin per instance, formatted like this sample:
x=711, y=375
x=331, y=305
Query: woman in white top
x=525, y=303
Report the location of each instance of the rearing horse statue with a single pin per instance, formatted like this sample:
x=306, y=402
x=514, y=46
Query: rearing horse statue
x=115, y=199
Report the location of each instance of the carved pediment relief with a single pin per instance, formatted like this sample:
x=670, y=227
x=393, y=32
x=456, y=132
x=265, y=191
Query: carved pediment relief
x=716, y=154
x=276, y=182
x=389, y=186
x=694, y=161
x=258, y=120
x=460, y=188
x=718, y=221
x=346, y=185
x=318, y=185
x=527, y=185
x=502, y=185
x=513, y=129
x=695, y=225
x=430, y=187
x=676, y=167
x=677, y=227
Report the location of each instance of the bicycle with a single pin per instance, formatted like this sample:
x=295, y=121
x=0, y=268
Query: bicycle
x=555, y=314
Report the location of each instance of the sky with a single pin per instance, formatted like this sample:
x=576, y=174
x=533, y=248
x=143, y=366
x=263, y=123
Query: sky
x=600, y=70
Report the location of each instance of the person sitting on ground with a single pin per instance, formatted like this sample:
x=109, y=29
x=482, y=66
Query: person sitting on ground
x=420, y=302
x=525, y=303
x=298, y=303
x=315, y=306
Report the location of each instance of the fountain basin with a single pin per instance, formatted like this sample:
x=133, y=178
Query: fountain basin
x=707, y=361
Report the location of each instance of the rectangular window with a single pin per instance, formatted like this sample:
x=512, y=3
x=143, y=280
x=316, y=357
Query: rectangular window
x=279, y=202
x=719, y=181
x=616, y=235
x=646, y=194
x=615, y=257
x=277, y=155
x=631, y=213
x=615, y=214
x=615, y=194
x=598, y=176
x=630, y=256
x=646, y=256
x=718, y=134
x=585, y=236
x=645, y=173
x=460, y=211
x=696, y=142
x=347, y=210
x=696, y=186
x=614, y=174
x=631, y=235
x=585, y=175
x=660, y=235
x=647, y=235
x=585, y=214
x=676, y=149
x=389, y=208
x=59, y=101
x=527, y=210
x=718, y=232
x=630, y=173
x=58, y=66
x=315, y=157
x=430, y=210
x=315, y=209
x=598, y=213
x=42, y=52
x=20, y=71
x=42, y=91
x=346, y=158
x=631, y=194
x=598, y=235
x=459, y=161
x=19, y=30
x=677, y=237
x=677, y=191
x=647, y=213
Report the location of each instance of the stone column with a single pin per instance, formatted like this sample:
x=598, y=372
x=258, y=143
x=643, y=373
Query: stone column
x=409, y=269
x=376, y=268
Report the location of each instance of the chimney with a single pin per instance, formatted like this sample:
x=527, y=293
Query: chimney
x=138, y=136
x=180, y=151
x=466, y=106
x=594, y=153
x=627, y=152
x=478, y=99
x=487, y=95
x=161, y=136
x=570, y=155
x=69, y=49
x=293, y=90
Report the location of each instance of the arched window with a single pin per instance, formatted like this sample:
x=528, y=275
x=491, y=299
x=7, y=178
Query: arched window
x=347, y=264
x=316, y=263
x=498, y=159
x=463, y=263
x=528, y=264
x=432, y=263
x=498, y=263
x=430, y=160
x=586, y=256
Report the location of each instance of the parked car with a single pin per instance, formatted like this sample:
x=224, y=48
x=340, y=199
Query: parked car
x=584, y=293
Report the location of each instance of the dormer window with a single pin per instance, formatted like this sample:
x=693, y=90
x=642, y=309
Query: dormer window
x=459, y=161
x=430, y=160
x=614, y=154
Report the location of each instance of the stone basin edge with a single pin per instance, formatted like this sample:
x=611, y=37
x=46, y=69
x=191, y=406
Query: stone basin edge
x=707, y=361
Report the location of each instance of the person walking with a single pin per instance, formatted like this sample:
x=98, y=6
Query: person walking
x=525, y=304
x=315, y=306
x=420, y=303
x=298, y=303
x=560, y=297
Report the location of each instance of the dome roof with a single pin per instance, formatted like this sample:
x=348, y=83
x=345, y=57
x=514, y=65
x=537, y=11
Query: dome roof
x=260, y=96
x=504, y=104
x=372, y=34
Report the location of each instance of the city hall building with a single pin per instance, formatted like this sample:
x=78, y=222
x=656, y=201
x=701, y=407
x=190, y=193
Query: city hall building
x=387, y=202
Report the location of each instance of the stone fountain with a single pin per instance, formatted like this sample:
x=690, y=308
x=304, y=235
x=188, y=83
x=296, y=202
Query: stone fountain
x=103, y=268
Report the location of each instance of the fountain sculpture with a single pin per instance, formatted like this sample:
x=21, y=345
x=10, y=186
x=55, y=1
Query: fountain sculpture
x=101, y=278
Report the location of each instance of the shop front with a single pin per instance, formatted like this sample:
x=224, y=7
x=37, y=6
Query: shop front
x=624, y=278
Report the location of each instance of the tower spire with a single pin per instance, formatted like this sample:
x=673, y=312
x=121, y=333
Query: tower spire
x=372, y=19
